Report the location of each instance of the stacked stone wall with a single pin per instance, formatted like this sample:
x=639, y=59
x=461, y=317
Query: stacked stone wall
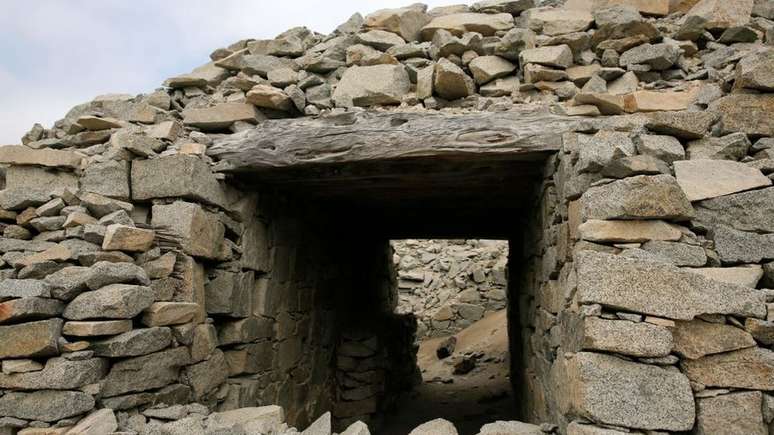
x=136, y=277
x=450, y=284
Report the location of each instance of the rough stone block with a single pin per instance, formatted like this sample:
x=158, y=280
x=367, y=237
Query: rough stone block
x=58, y=374
x=110, y=178
x=175, y=176
x=22, y=155
x=127, y=238
x=115, y=301
x=638, y=339
x=659, y=289
x=696, y=338
x=221, y=116
x=640, y=197
x=32, y=339
x=145, y=372
x=704, y=179
x=201, y=232
x=45, y=405
x=170, y=313
x=614, y=391
x=133, y=343
x=230, y=293
x=751, y=368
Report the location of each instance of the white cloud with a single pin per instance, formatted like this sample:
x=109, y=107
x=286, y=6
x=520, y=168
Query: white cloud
x=55, y=54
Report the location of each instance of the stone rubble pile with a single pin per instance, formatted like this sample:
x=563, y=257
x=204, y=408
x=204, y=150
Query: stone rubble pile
x=135, y=278
x=448, y=285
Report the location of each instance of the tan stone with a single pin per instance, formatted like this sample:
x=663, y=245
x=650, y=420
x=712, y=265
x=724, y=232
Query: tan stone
x=125, y=238
x=704, y=179
x=269, y=97
x=722, y=14
x=201, y=232
x=32, y=339
x=57, y=253
x=695, y=338
x=620, y=336
x=747, y=113
x=629, y=231
x=557, y=21
x=97, y=123
x=169, y=313
x=96, y=328
x=607, y=104
x=457, y=24
x=747, y=276
x=406, y=22
x=653, y=101
x=21, y=155
x=750, y=368
x=220, y=116
x=647, y=7
x=731, y=414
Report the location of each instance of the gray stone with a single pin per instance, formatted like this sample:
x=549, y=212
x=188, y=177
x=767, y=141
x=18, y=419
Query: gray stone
x=99, y=422
x=665, y=148
x=145, y=372
x=175, y=176
x=116, y=301
x=613, y=391
x=133, y=343
x=45, y=405
x=380, y=39
x=200, y=232
x=598, y=151
x=730, y=414
x=372, y=85
x=99, y=205
x=734, y=146
x=635, y=165
x=137, y=143
x=761, y=330
x=58, y=374
x=263, y=419
x=557, y=21
x=559, y=56
x=105, y=273
x=451, y=82
x=576, y=428
x=510, y=428
x=170, y=313
x=23, y=288
x=746, y=211
x=619, y=336
x=438, y=426
x=205, y=377
x=229, y=293
x=735, y=246
x=640, y=197
x=660, y=290
x=110, y=179
x=514, y=42
x=682, y=124
x=32, y=308
x=695, y=339
x=749, y=368
x=357, y=428
x=244, y=330
x=321, y=426
x=679, y=254
x=32, y=339
x=657, y=56
x=513, y=7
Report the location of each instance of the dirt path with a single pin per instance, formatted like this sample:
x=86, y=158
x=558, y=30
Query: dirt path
x=471, y=400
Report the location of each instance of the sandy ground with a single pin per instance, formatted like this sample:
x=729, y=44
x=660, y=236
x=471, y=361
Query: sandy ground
x=469, y=401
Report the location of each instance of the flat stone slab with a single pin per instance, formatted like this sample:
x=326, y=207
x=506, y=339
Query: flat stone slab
x=659, y=289
x=751, y=368
x=744, y=211
x=45, y=405
x=704, y=179
x=22, y=155
x=629, y=231
x=747, y=276
x=697, y=338
x=640, y=197
x=614, y=391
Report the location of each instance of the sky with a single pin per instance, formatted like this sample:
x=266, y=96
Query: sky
x=55, y=54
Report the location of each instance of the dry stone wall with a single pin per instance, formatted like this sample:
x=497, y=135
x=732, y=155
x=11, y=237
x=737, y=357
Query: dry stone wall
x=143, y=291
x=449, y=284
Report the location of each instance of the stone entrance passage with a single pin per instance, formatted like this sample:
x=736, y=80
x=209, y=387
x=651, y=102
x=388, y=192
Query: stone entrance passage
x=357, y=184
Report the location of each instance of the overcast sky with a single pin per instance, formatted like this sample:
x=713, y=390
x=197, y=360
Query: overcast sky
x=55, y=54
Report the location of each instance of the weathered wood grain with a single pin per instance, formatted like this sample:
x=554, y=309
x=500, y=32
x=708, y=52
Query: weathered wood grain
x=385, y=136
